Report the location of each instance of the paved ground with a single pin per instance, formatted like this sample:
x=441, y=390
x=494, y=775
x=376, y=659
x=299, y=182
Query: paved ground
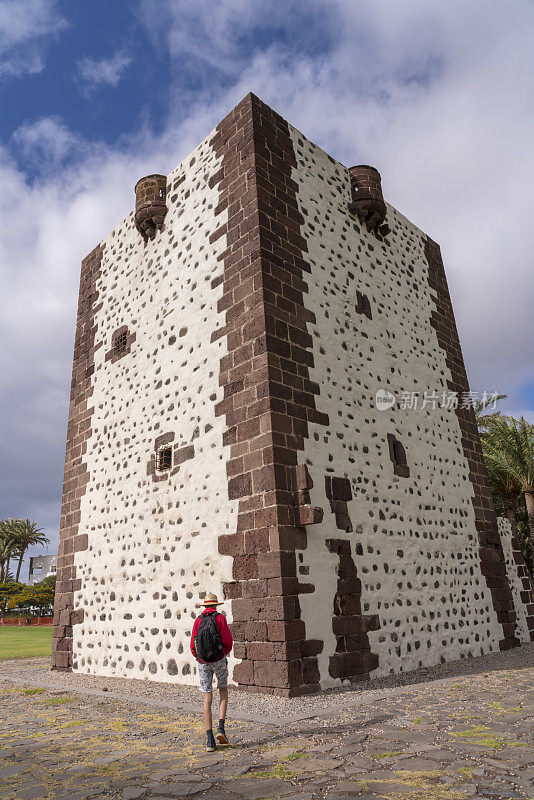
x=459, y=737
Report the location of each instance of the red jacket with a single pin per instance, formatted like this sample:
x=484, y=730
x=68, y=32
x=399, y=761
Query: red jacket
x=222, y=627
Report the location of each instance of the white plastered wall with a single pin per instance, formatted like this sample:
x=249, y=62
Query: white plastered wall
x=153, y=545
x=516, y=586
x=414, y=540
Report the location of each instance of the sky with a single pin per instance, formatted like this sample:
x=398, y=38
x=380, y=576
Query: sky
x=438, y=96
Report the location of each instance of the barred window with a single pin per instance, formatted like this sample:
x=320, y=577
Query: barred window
x=164, y=459
x=120, y=343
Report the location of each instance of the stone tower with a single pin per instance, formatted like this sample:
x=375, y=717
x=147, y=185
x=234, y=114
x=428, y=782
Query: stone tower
x=224, y=434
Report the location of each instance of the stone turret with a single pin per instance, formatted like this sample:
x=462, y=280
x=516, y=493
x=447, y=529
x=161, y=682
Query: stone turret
x=150, y=204
x=367, y=198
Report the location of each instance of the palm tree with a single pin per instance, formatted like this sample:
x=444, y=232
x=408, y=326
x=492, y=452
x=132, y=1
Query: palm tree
x=509, y=452
x=479, y=406
x=27, y=534
x=507, y=488
x=8, y=546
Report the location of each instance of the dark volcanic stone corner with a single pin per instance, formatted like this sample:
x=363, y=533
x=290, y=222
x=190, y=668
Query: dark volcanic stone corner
x=76, y=474
x=269, y=398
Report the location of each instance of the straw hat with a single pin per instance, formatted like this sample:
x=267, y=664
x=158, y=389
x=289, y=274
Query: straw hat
x=211, y=600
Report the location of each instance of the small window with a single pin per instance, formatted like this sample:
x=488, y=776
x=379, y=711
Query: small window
x=120, y=343
x=164, y=459
x=363, y=305
x=397, y=454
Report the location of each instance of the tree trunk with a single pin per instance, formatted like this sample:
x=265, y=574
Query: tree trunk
x=20, y=565
x=529, y=500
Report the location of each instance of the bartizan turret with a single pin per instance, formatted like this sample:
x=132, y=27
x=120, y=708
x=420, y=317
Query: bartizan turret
x=150, y=204
x=367, y=200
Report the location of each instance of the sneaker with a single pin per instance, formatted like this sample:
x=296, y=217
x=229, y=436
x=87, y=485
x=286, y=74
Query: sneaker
x=221, y=736
x=210, y=744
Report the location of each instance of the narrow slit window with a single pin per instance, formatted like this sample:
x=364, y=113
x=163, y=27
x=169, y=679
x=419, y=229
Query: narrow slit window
x=363, y=305
x=164, y=459
x=397, y=454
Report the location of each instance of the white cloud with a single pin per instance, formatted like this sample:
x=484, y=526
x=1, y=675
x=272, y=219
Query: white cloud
x=437, y=96
x=106, y=72
x=26, y=27
x=46, y=140
x=205, y=36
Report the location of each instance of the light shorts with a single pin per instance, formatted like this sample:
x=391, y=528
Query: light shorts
x=207, y=671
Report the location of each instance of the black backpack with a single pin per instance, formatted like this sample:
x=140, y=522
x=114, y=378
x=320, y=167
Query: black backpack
x=208, y=642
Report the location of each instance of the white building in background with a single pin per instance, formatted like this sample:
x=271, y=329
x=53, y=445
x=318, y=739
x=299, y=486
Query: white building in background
x=41, y=567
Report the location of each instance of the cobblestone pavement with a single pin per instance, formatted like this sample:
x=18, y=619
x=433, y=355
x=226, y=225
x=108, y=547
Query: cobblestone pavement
x=467, y=737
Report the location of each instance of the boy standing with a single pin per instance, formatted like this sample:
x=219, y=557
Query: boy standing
x=211, y=641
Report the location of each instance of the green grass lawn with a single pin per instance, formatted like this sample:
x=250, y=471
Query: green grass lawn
x=22, y=642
